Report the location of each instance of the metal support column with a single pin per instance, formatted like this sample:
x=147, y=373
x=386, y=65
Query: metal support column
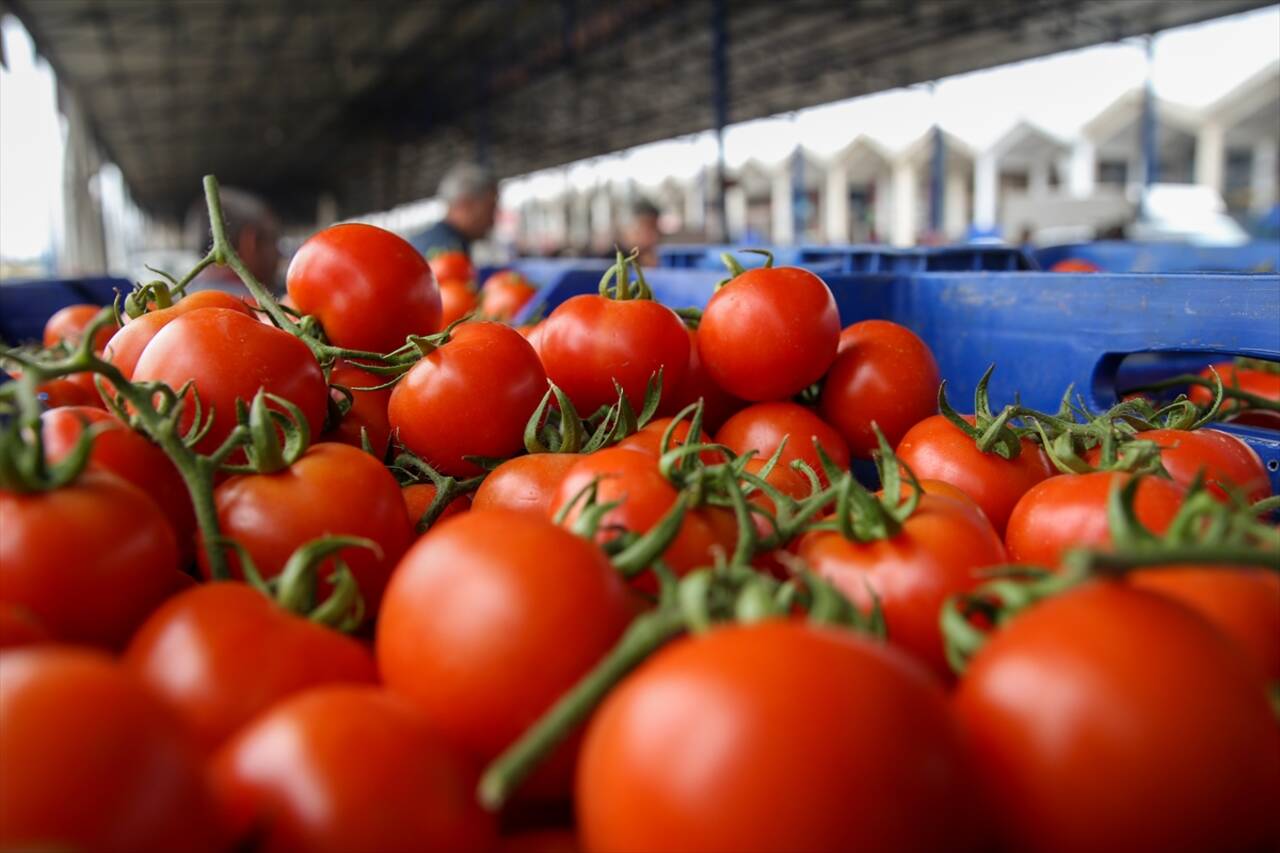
x=1150, y=140
x=718, y=223
x=937, y=181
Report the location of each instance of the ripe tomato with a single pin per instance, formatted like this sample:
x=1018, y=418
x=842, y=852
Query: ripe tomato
x=649, y=439
x=935, y=449
x=938, y=487
x=489, y=618
x=230, y=356
x=359, y=770
x=90, y=560
x=1084, y=747
x=368, y=408
x=221, y=653
x=368, y=287
x=86, y=381
x=589, y=342
x=1243, y=603
x=20, y=627
x=884, y=375
x=1075, y=265
x=471, y=397
x=452, y=266
x=1260, y=382
x=504, y=294
x=67, y=391
x=717, y=403
x=92, y=761
x=457, y=300
x=526, y=483
x=692, y=751
x=419, y=496
x=68, y=324
x=126, y=346
x=762, y=428
x=1226, y=462
x=130, y=456
x=533, y=334
x=332, y=490
x=1071, y=511
x=769, y=333
x=939, y=552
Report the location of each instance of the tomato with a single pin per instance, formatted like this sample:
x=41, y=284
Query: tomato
x=331, y=490
x=90, y=560
x=128, y=455
x=221, y=653
x=533, y=334
x=938, y=552
x=762, y=428
x=938, y=487
x=1075, y=265
x=1071, y=511
x=419, y=496
x=489, y=618
x=1243, y=603
x=368, y=287
x=1227, y=463
x=789, y=482
x=457, y=300
x=68, y=324
x=1263, y=383
x=368, y=408
x=769, y=333
x=92, y=761
x=884, y=375
x=347, y=767
x=67, y=391
x=504, y=294
x=589, y=342
x=471, y=397
x=20, y=627
x=1110, y=718
x=935, y=449
x=126, y=346
x=230, y=356
x=649, y=439
x=452, y=266
x=776, y=736
x=527, y=483
x=87, y=383
x=717, y=403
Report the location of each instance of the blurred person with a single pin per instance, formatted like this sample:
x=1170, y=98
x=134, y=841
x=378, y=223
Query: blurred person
x=470, y=192
x=254, y=232
x=641, y=232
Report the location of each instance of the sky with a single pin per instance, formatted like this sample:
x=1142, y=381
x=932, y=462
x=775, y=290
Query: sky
x=1191, y=65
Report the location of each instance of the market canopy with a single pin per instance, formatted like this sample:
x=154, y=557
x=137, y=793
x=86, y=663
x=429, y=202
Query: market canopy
x=372, y=100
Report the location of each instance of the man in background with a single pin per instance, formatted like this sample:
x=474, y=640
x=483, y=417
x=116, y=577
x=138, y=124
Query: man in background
x=642, y=232
x=471, y=194
x=254, y=233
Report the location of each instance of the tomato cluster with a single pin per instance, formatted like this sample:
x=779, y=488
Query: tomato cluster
x=386, y=573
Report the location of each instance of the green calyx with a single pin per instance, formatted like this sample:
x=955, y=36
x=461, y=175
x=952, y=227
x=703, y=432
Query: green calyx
x=410, y=469
x=991, y=433
x=617, y=282
x=560, y=429
x=735, y=267
x=861, y=516
x=265, y=427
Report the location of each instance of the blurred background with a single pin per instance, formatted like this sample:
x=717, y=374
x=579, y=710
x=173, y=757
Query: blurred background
x=635, y=122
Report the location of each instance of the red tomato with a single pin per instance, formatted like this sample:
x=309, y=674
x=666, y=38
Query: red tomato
x=346, y=767
x=533, y=334
x=939, y=552
x=222, y=653
x=130, y=456
x=789, y=482
x=92, y=761
x=1226, y=462
x=1084, y=746
x=649, y=439
x=1071, y=511
x=762, y=428
x=504, y=294
x=1075, y=265
x=452, y=266
x=126, y=346
x=230, y=356
x=1243, y=603
x=884, y=375
x=745, y=738
x=1260, y=382
x=769, y=333
x=489, y=618
x=67, y=391
x=457, y=300
x=935, y=449
x=368, y=408
x=946, y=490
x=332, y=490
x=86, y=381
x=471, y=397
x=20, y=627
x=68, y=324
x=89, y=560
x=419, y=496
x=526, y=483
x=717, y=403
x=368, y=287
x=589, y=342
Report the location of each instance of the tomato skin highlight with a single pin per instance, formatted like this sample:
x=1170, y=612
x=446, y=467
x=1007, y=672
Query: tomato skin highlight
x=883, y=375
x=691, y=751
x=1107, y=676
x=1071, y=511
x=93, y=761
x=762, y=428
x=362, y=771
x=221, y=653
x=1226, y=462
x=369, y=288
x=769, y=333
x=68, y=324
x=525, y=483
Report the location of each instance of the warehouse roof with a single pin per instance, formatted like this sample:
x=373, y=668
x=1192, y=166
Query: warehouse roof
x=373, y=100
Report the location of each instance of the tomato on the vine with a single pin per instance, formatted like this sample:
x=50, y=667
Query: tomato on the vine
x=126, y=346
x=68, y=324
x=504, y=294
x=418, y=498
x=763, y=427
x=1263, y=383
x=528, y=483
x=1226, y=463
x=368, y=410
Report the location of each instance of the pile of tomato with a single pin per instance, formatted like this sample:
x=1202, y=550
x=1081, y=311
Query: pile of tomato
x=379, y=571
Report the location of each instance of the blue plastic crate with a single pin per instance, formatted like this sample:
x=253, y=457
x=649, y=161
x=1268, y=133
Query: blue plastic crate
x=26, y=305
x=870, y=258
x=1258, y=256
